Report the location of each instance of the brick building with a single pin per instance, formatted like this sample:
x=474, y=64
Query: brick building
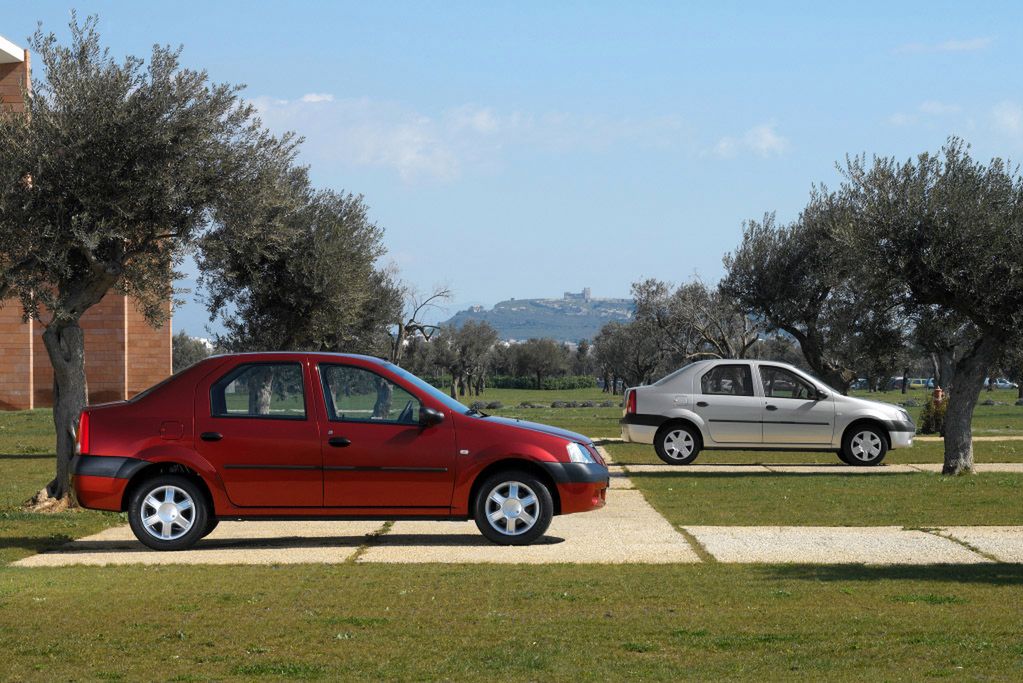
x=123, y=354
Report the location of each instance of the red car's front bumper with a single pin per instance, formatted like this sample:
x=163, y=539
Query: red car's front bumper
x=581, y=497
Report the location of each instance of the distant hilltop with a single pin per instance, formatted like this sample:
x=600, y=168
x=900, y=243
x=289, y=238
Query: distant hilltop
x=573, y=317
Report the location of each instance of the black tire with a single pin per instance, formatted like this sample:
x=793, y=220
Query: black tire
x=864, y=445
x=183, y=525
x=677, y=444
x=210, y=526
x=535, y=502
x=841, y=456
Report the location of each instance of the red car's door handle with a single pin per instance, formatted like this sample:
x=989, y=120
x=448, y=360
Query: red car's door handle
x=211, y=436
x=339, y=441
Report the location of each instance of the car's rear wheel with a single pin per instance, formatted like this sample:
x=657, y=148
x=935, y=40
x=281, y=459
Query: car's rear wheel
x=210, y=526
x=864, y=445
x=841, y=456
x=168, y=512
x=677, y=444
x=513, y=508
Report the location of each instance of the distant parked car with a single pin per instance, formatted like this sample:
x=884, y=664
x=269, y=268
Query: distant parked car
x=325, y=436
x=1001, y=383
x=895, y=383
x=759, y=405
x=860, y=384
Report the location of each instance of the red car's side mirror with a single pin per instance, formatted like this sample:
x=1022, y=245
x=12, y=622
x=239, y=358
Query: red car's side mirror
x=429, y=417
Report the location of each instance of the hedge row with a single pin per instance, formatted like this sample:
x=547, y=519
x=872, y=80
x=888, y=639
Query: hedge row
x=510, y=382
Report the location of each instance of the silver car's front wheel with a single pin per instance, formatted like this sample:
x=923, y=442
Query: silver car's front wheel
x=864, y=445
x=677, y=445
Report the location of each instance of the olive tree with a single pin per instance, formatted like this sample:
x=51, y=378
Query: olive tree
x=693, y=320
x=105, y=182
x=541, y=358
x=187, y=351
x=627, y=352
x=947, y=232
x=801, y=279
x=299, y=273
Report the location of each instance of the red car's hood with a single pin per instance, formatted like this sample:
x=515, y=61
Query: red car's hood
x=537, y=427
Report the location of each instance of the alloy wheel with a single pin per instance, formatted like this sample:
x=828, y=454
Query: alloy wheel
x=512, y=508
x=866, y=446
x=679, y=444
x=167, y=513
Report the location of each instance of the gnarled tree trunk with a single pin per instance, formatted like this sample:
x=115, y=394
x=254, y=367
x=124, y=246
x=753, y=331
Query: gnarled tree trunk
x=65, y=344
x=970, y=372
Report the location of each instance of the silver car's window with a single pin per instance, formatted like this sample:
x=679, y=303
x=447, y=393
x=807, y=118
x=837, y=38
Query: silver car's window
x=728, y=380
x=780, y=383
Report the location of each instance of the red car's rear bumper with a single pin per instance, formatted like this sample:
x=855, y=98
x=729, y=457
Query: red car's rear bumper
x=99, y=480
x=99, y=493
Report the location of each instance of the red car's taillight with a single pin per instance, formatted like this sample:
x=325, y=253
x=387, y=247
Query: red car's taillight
x=82, y=434
x=630, y=402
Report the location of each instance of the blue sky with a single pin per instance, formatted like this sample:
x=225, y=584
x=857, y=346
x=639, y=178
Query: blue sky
x=524, y=149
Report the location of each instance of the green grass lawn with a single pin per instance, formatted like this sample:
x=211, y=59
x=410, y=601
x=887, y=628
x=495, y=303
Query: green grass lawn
x=911, y=500
x=465, y=622
x=920, y=452
x=524, y=622
x=987, y=420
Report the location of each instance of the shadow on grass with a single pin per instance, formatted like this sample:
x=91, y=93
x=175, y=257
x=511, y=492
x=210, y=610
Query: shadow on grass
x=27, y=456
x=38, y=544
x=1001, y=574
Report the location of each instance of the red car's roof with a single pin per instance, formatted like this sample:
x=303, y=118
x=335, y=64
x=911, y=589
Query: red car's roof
x=292, y=354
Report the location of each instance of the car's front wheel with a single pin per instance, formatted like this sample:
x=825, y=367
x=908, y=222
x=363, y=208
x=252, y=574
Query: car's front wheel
x=864, y=445
x=168, y=512
x=513, y=508
x=677, y=444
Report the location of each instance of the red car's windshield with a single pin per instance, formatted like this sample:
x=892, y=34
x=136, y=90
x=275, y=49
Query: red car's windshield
x=427, y=388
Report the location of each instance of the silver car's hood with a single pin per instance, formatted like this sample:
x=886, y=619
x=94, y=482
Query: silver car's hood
x=854, y=402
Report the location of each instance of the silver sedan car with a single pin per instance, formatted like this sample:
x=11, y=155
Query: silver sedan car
x=759, y=405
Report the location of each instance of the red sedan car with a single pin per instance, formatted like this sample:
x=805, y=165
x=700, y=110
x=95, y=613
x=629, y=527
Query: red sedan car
x=323, y=436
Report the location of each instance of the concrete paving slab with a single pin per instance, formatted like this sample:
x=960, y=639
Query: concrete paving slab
x=841, y=469
x=697, y=469
x=231, y=543
x=626, y=530
x=830, y=545
x=1003, y=542
x=979, y=468
x=976, y=438
x=619, y=478
x=608, y=460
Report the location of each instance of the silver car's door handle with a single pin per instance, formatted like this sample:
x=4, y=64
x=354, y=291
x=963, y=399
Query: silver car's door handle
x=772, y=407
x=702, y=404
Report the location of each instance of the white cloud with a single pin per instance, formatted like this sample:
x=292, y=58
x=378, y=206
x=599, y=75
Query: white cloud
x=928, y=109
x=968, y=45
x=314, y=97
x=762, y=140
x=418, y=146
x=1008, y=118
x=901, y=119
x=476, y=119
x=935, y=108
